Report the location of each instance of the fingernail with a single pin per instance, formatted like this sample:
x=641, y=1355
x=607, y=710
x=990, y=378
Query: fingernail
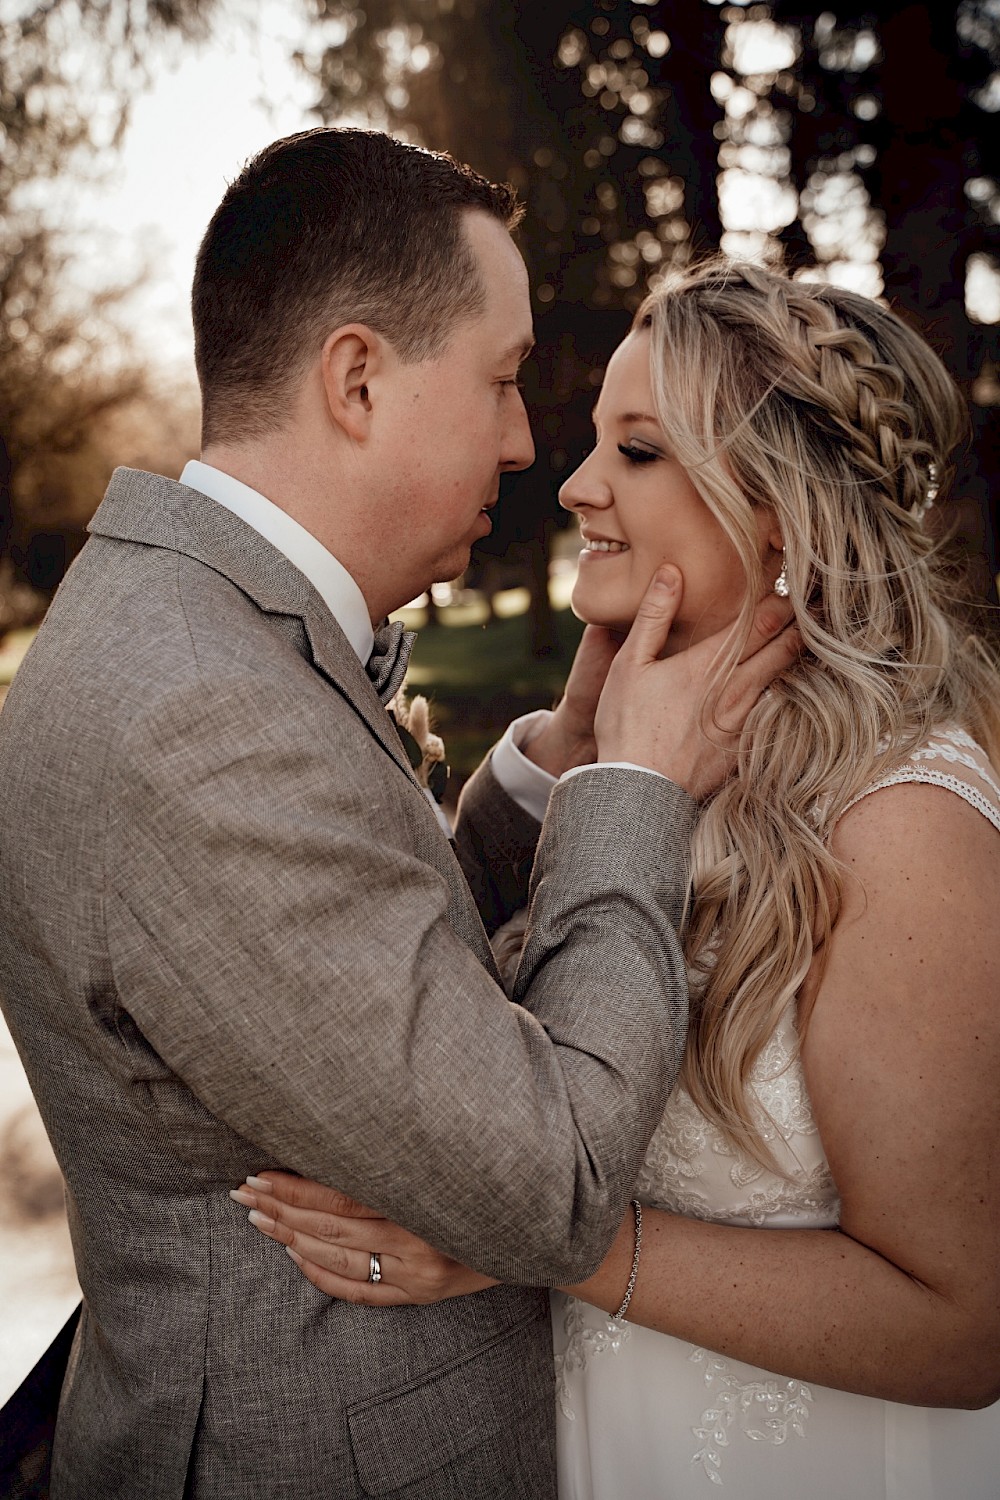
x=291, y=1253
x=665, y=582
x=260, y=1183
x=239, y=1196
x=261, y=1221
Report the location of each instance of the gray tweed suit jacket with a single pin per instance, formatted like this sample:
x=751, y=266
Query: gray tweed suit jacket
x=233, y=935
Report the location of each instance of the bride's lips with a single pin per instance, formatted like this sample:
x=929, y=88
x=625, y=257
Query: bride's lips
x=602, y=546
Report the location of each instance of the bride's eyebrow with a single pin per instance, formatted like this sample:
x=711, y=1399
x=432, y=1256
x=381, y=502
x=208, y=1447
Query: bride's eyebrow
x=626, y=417
x=629, y=416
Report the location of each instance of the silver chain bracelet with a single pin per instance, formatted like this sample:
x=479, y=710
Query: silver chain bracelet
x=637, y=1209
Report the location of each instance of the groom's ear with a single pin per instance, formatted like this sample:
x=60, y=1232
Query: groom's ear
x=352, y=357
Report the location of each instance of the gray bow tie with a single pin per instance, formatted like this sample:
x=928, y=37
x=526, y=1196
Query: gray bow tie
x=389, y=659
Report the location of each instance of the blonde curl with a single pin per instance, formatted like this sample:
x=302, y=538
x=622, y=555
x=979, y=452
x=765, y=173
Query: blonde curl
x=827, y=409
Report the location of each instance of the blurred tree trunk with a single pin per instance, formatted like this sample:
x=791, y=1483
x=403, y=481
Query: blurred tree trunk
x=920, y=144
x=918, y=176
x=691, y=116
x=6, y=510
x=926, y=154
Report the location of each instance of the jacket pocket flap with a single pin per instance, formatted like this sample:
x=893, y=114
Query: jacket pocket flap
x=403, y=1436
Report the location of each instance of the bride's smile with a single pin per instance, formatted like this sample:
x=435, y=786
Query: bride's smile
x=638, y=507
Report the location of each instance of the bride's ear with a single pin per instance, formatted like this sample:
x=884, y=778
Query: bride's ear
x=351, y=359
x=772, y=555
x=770, y=541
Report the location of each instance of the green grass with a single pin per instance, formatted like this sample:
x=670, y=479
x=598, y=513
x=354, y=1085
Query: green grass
x=479, y=677
x=477, y=660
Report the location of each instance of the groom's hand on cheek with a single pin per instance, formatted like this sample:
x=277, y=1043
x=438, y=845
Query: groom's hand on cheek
x=676, y=715
x=568, y=738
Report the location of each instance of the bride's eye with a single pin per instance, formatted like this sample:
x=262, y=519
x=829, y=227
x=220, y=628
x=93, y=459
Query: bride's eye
x=637, y=455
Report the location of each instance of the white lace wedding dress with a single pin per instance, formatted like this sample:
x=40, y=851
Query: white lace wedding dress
x=643, y=1416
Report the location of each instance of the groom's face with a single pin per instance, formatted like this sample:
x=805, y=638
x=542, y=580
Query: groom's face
x=458, y=422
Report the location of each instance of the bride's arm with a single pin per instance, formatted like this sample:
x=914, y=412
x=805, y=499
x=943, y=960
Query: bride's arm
x=902, y=1053
x=901, y=1056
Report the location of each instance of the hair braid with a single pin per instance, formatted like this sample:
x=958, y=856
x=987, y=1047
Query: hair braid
x=825, y=408
x=874, y=415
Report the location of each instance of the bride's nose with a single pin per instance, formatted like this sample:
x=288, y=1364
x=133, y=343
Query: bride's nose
x=585, y=487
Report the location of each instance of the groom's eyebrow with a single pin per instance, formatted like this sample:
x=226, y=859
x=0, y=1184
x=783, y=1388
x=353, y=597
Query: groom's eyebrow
x=519, y=352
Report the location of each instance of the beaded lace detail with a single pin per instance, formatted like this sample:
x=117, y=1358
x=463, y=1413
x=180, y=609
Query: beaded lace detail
x=585, y=1338
x=766, y=1411
x=691, y=1169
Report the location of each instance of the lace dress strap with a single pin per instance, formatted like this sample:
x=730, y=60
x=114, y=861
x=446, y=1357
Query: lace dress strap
x=952, y=759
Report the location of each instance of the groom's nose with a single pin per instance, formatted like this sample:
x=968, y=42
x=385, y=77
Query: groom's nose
x=518, y=447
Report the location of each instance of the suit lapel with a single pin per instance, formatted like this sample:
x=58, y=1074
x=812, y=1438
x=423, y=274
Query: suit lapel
x=333, y=657
x=158, y=512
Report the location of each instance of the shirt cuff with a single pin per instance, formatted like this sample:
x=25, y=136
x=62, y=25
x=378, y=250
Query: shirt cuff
x=607, y=765
x=524, y=782
x=527, y=784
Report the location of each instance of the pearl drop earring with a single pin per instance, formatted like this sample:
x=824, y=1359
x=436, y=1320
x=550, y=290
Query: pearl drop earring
x=781, y=582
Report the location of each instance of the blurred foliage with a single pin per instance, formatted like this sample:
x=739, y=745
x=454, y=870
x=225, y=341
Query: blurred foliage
x=479, y=679
x=68, y=72
x=856, y=146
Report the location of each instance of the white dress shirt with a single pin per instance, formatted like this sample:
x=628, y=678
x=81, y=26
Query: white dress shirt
x=527, y=784
x=328, y=577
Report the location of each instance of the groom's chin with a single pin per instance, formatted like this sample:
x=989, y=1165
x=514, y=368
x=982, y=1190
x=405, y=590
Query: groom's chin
x=453, y=564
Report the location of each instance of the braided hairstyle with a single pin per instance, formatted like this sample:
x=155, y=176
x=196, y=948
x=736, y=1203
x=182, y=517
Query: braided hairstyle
x=824, y=407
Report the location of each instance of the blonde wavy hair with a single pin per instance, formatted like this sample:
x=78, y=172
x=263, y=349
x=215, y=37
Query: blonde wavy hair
x=826, y=408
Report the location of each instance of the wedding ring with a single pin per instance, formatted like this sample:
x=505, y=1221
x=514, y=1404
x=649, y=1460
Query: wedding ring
x=374, y=1268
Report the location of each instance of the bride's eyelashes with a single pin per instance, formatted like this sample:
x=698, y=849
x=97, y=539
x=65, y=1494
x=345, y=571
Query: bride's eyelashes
x=637, y=455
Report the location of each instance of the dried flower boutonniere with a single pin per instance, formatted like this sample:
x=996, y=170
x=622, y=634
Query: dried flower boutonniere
x=424, y=748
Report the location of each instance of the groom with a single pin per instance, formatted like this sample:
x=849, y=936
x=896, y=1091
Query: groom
x=232, y=930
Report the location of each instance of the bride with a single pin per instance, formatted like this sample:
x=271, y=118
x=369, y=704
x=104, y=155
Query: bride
x=805, y=1296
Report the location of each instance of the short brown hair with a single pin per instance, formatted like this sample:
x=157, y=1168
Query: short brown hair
x=327, y=227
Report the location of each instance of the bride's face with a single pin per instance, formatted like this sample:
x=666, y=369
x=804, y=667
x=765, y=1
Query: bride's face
x=637, y=508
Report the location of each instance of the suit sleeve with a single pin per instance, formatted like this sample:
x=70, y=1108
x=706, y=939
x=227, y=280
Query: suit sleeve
x=300, y=974
x=495, y=840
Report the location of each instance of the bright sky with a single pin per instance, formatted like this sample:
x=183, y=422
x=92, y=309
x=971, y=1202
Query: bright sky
x=206, y=110
x=204, y=113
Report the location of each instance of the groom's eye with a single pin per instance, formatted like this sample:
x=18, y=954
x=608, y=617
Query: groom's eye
x=637, y=455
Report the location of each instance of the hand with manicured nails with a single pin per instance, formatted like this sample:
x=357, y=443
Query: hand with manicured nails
x=330, y=1238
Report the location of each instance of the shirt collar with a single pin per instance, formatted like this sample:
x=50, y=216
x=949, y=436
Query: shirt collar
x=328, y=577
